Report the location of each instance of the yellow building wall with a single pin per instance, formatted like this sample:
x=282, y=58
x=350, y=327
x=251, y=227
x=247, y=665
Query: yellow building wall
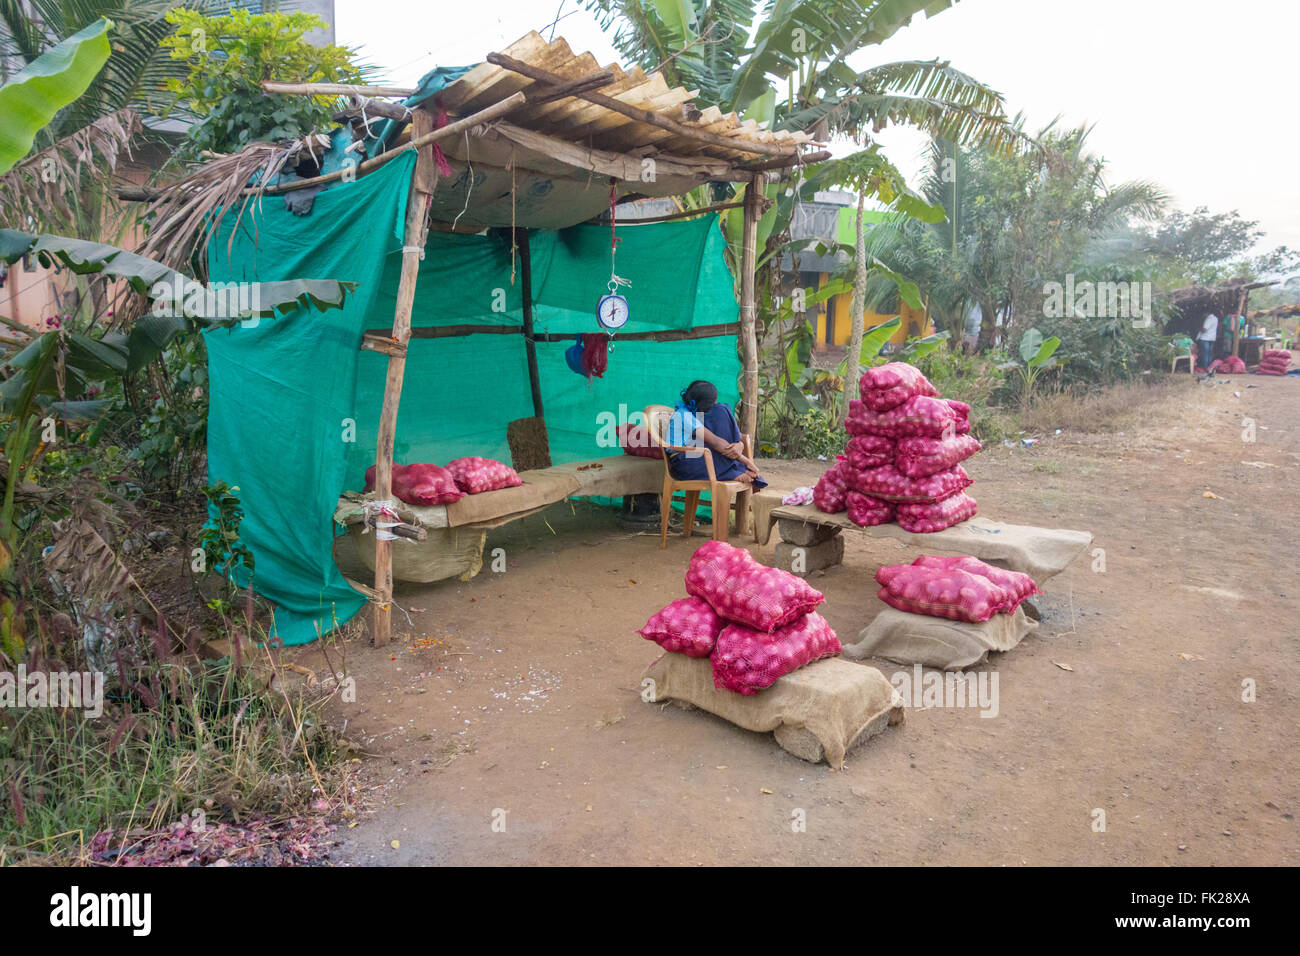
x=914, y=322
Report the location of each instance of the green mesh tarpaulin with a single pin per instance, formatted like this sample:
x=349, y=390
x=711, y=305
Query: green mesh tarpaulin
x=294, y=406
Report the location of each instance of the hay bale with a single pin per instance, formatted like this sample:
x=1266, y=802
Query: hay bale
x=530, y=449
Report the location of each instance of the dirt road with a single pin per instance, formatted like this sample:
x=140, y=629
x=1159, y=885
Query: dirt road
x=516, y=699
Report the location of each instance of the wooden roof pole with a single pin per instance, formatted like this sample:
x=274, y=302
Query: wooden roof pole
x=335, y=89
x=413, y=237
x=748, y=308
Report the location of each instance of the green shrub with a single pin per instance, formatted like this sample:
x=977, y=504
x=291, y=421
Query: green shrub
x=229, y=56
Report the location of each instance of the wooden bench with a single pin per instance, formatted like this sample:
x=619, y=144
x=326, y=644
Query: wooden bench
x=1038, y=552
x=812, y=539
x=443, y=541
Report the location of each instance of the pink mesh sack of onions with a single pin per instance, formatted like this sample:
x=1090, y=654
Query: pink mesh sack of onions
x=918, y=457
x=955, y=594
x=747, y=661
x=890, y=385
x=869, y=451
x=746, y=592
x=636, y=440
x=687, y=626
x=829, y=492
x=935, y=516
x=476, y=475
x=890, y=484
x=420, y=484
x=865, y=511
x=1017, y=585
x=962, y=411
x=920, y=415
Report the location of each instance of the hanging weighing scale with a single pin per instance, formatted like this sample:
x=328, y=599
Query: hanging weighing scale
x=612, y=311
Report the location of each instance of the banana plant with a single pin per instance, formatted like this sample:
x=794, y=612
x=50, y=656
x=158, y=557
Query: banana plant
x=63, y=362
x=1038, y=355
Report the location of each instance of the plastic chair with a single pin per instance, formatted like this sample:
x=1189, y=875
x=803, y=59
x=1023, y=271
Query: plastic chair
x=1188, y=348
x=721, y=493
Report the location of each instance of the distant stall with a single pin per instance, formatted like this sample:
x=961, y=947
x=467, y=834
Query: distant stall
x=1190, y=306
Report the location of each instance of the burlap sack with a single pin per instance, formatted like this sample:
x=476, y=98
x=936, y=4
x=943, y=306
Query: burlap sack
x=817, y=711
x=938, y=642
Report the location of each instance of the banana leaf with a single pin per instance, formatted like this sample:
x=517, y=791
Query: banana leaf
x=177, y=294
x=30, y=100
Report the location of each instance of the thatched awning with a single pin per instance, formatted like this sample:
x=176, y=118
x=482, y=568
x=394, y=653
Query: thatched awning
x=551, y=162
x=591, y=122
x=534, y=137
x=1191, y=304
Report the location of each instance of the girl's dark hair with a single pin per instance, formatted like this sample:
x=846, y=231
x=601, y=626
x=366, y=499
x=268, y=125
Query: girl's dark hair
x=703, y=394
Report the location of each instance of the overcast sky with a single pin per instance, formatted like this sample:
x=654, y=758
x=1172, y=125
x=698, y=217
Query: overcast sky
x=1199, y=96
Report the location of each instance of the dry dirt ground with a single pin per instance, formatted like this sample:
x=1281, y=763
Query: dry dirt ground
x=515, y=696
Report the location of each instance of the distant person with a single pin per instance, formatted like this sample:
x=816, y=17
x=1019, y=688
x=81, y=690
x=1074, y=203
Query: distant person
x=700, y=420
x=971, y=330
x=1205, y=341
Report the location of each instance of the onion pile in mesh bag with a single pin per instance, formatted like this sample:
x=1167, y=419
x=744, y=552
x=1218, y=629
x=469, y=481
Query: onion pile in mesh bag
x=865, y=511
x=1232, y=365
x=954, y=594
x=476, y=475
x=962, y=411
x=747, y=661
x=870, y=451
x=918, y=457
x=890, y=385
x=959, y=588
x=905, y=451
x=420, y=484
x=755, y=623
x=830, y=490
x=1018, y=585
x=889, y=484
x=636, y=440
x=744, y=591
x=919, y=415
x=688, y=626
x=931, y=516
x=1274, y=362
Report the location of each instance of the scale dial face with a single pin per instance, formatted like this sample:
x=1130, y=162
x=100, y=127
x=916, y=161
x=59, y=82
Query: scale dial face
x=612, y=312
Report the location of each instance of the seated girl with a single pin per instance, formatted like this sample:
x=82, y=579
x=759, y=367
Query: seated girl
x=701, y=421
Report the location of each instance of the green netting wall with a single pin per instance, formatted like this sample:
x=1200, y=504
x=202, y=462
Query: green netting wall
x=294, y=404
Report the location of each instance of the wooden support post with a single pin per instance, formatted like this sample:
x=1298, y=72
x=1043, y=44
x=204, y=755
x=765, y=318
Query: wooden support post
x=748, y=308
x=413, y=236
x=530, y=344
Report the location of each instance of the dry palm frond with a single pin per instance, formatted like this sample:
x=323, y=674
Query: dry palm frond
x=184, y=216
x=46, y=191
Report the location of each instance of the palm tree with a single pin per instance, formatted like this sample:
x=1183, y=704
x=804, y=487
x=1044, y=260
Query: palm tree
x=794, y=74
x=1011, y=223
x=805, y=45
